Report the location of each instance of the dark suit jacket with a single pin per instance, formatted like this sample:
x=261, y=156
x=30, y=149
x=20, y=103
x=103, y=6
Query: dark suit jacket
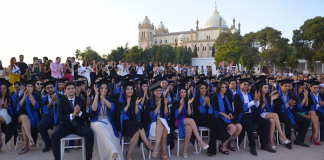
x=278, y=102
x=64, y=110
x=149, y=69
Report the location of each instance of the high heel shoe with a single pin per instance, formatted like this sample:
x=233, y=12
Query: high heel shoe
x=224, y=152
x=315, y=140
x=155, y=154
x=204, y=147
x=231, y=143
x=185, y=156
x=286, y=141
x=164, y=157
x=32, y=143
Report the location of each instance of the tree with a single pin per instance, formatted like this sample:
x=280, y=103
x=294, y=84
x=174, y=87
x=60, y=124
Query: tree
x=229, y=52
x=250, y=54
x=183, y=56
x=310, y=38
x=292, y=62
x=272, y=45
x=159, y=55
x=88, y=55
x=194, y=53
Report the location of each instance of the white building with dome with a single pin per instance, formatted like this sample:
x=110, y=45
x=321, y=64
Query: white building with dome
x=202, y=38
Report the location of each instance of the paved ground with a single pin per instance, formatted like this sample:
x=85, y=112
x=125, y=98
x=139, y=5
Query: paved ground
x=297, y=153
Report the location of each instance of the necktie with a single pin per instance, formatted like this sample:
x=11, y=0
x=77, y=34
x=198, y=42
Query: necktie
x=73, y=121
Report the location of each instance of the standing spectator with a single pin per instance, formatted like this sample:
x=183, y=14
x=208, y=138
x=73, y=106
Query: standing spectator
x=290, y=74
x=23, y=69
x=47, y=68
x=108, y=67
x=76, y=70
x=205, y=70
x=156, y=69
x=45, y=59
x=140, y=70
x=149, y=69
x=132, y=69
x=36, y=68
x=2, y=71
x=73, y=68
x=57, y=68
x=67, y=69
x=120, y=68
x=185, y=70
x=85, y=70
x=14, y=72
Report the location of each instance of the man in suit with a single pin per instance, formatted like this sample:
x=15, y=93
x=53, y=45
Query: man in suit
x=149, y=69
x=71, y=118
x=49, y=110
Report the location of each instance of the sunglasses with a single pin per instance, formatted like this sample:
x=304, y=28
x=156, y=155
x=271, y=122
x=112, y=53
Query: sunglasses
x=38, y=83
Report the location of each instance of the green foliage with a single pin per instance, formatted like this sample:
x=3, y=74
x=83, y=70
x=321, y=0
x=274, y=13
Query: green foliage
x=159, y=56
x=183, y=56
x=194, y=53
x=229, y=52
x=272, y=45
x=88, y=54
x=319, y=55
x=292, y=62
x=310, y=38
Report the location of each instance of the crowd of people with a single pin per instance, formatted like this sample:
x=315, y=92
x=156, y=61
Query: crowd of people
x=106, y=102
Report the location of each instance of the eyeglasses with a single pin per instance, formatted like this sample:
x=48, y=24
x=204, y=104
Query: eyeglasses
x=38, y=83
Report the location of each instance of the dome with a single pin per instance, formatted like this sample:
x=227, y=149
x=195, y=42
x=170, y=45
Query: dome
x=161, y=26
x=234, y=30
x=213, y=20
x=146, y=21
x=182, y=36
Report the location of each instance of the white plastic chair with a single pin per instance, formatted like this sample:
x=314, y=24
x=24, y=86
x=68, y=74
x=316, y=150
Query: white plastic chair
x=8, y=143
x=205, y=129
x=123, y=143
x=178, y=142
x=246, y=136
x=72, y=137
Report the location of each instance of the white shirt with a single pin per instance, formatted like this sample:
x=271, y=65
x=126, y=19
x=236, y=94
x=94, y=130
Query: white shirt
x=71, y=117
x=316, y=97
x=286, y=100
x=250, y=104
x=73, y=68
x=108, y=72
x=140, y=70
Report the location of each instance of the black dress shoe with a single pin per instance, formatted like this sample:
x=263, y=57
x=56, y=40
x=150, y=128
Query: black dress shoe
x=301, y=144
x=253, y=152
x=47, y=148
x=267, y=148
x=289, y=146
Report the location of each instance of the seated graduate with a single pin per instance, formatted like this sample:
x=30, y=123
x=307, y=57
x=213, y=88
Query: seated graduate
x=224, y=112
x=71, y=120
x=203, y=116
x=143, y=92
x=7, y=113
x=182, y=119
x=59, y=88
x=106, y=137
x=245, y=104
x=231, y=89
x=314, y=110
x=129, y=114
x=155, y=122
x=29, y=114
x=283, y=106
x=166, y=89
x=49, y=110
x=266, y=108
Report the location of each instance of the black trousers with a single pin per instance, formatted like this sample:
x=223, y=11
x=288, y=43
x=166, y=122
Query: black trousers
x=321, y=119
x=301, y=125
x=217, y=130
x=62, y=131
x=44, y=124
x=248, y=120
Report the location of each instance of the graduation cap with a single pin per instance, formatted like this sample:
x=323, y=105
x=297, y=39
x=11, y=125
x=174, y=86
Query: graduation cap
x=79, y=82
x=201, y=82
x=270, y=78
x=61, y=80
x=245, y=80
x=3, y=81
x=49, y=83
x=155, y=86
x=99, y=76
x=32, y=82
x=226, y=79
x=231, y=79
x=215, y=84
x=211, y=77
x=298, y=84
x=47, y=78
x=103, y=81
x=260, y=84
x=162, y=79
x=183, y=81
x=262, y=77
x=238, y=76
x=314, y=82
x=200, y=76
x=190, y=78
x=138, y=80
x=171, y=81
x=285, y=81
x=144, y=82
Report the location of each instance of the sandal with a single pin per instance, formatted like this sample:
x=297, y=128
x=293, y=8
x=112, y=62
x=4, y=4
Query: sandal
x=31, y=143
x=164, y=157
x=154, y=154
x=23, y=151
x=231, y=143
x=224, y=152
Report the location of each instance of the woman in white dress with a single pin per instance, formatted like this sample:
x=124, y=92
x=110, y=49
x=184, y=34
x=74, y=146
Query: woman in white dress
x=106, y=139
x=85, y=70
x=125, y=70
x=5, y=118
x=266, y=108
x=155, y=123
x=120, y=68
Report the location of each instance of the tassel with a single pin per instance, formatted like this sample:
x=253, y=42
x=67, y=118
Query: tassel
x=269, y=87
x=177, y=97
x=152, y=104
x=139, y=90
x=121, y=99
x=296, y=91
x=195, y=91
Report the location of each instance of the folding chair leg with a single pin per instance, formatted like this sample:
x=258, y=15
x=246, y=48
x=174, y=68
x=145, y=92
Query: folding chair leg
x=83, y=148
x=277, y=133
x=62, y=148
x=122, y=145
x=178, y=145
x=196, y=146
x=142, y=148
x=237, y=143
x=245, y=140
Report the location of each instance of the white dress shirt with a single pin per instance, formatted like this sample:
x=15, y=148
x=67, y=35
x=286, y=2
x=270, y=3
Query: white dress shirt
x=73, y=101
x=250, y=104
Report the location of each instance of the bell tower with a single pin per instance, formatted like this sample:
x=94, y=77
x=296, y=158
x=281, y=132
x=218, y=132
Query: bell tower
x=145, y=33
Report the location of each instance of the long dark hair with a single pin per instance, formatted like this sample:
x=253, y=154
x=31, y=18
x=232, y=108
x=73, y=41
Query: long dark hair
x=198, y=90
x=219, y=87
x=162, y=101
x=69, y=63
x=267, y=95
x=7, y=94
x=1, y=68
x=142, y=92
x=186, y=98
x=34, y=88
x=294, y=93
x=107, y=95
x=122, y=105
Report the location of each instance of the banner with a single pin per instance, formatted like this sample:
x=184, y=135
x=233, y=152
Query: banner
x=221, y=64
x=230, y=66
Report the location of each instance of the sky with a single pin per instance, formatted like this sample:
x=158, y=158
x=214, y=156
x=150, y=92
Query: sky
x=56, y=28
